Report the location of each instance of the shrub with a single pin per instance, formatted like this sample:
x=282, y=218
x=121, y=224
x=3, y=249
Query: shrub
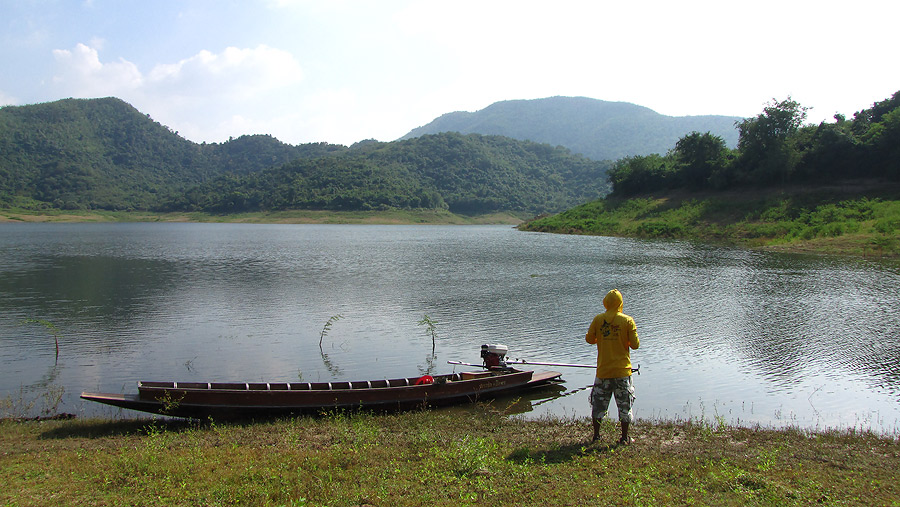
x=660, y=229
x=885, y=226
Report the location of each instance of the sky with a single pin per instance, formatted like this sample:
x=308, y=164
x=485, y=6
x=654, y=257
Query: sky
x=343, y=71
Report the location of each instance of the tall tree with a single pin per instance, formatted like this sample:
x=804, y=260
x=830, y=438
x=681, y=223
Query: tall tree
x=632, y=175
x=698, y=157
x=883, y=141
x=766, y=156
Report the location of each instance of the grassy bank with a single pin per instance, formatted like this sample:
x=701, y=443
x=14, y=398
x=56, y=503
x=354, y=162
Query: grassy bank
x=275, y=217
x=860, y=218
x=438, y=458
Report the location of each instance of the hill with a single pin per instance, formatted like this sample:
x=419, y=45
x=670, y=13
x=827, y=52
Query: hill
x=105, y=154
x=469, y=174
x=597, y=129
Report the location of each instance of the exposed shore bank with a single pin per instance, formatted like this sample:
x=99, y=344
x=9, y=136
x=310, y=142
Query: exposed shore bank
x=389, y=217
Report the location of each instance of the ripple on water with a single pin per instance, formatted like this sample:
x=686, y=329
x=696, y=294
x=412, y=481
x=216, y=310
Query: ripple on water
x=808, y=338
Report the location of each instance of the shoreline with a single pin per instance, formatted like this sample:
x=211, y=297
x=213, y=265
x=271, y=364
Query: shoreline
x=846, y=246
x=859, y=218
x=390, y=217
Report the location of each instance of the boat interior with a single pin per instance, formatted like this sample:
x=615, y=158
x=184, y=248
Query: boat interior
x=317, y=386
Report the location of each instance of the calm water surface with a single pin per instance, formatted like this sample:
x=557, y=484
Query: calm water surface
x=748, y=337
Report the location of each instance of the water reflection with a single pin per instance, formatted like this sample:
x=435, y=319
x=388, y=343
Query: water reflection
x=763, y=337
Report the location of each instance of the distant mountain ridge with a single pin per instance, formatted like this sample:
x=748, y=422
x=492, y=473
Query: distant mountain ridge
x=105, y=154
x=597, y=129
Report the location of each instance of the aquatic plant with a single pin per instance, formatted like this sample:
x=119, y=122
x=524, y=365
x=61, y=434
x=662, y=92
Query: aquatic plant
x=327, y=327
x=431, y=329
x=50, y=327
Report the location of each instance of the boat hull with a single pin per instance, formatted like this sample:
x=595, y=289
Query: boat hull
x=264, y=400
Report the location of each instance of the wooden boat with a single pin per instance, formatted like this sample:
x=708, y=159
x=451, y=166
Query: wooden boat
x=246, y=400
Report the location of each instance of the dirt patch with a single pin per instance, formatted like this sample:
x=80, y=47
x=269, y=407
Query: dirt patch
x=21, y=217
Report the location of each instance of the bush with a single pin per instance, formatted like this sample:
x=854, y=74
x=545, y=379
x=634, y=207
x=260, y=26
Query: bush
x=833, y=229
x=657, y=229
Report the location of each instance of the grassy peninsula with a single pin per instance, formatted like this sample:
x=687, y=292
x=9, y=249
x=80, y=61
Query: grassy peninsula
x=832, y=187
x=852, y=218
x=439, y=458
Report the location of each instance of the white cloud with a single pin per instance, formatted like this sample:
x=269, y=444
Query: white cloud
x=207, y=97
x=7, y=100
x=380, y=69
x=679, y=58
x=81, y=73
x=234, y=72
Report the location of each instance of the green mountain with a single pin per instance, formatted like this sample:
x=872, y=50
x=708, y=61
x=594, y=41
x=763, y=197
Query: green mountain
x=597, y=129
x=469, y=174
x=105, y=154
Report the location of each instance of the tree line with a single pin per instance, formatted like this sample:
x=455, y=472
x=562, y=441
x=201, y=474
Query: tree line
x=105, y=154
x=774, y=148
x=468, y=174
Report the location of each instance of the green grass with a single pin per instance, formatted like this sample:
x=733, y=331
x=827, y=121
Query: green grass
x=855, y=220
x=439, y=458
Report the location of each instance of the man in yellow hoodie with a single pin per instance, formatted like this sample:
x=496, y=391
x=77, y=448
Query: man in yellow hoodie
x=615, y=334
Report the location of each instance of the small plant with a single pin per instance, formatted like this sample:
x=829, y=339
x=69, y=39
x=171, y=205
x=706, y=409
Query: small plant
x=169, y=403
x=472, y=456
x=23, y=406
x=52, y=398
x=50, y=327
x=16, y=407
x=327, y=327
x=431, y=327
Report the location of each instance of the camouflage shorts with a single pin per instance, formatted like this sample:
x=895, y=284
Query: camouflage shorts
x=604, y=389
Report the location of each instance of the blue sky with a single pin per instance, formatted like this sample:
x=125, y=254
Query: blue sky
x=346, y=70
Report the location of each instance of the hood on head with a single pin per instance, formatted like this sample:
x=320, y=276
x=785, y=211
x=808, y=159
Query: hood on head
x=613, y=301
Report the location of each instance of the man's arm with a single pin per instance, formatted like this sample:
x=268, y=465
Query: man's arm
x=633, y=341
x=591, y=336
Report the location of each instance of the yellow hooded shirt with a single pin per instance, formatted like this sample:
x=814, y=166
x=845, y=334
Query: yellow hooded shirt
x=614, y=333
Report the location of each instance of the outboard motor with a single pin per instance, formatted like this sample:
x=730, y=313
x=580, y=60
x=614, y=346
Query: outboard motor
x=494, y=355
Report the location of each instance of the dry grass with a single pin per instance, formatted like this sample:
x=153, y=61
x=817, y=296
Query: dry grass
x=387, y=217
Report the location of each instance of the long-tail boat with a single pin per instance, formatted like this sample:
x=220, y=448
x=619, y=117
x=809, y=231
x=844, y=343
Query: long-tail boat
x=243, y=400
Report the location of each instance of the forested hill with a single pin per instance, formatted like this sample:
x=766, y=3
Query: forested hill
x=469, y=174
x=597, y=129
x=105, y=154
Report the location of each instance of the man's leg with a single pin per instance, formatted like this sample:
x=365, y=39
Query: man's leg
x=624, y=393
x=601, y=393
x=624, y=439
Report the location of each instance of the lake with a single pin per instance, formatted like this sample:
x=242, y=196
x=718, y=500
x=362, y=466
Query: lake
x=727, y=334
